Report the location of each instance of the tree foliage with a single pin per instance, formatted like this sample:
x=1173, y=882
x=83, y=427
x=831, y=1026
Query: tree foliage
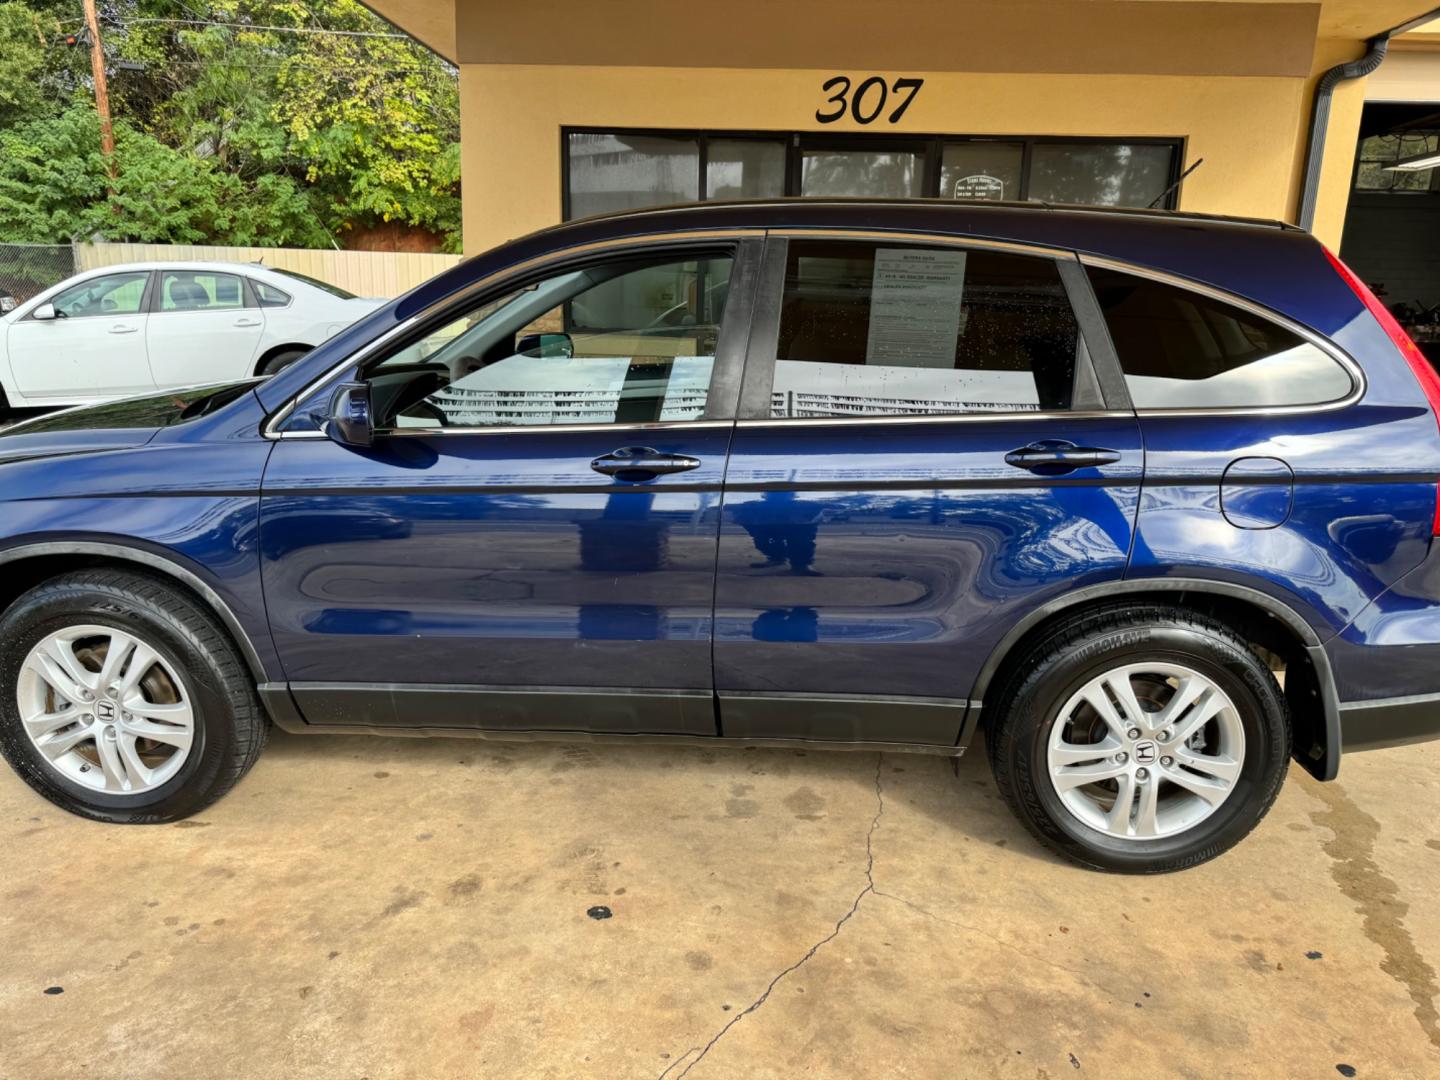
x=229, y=128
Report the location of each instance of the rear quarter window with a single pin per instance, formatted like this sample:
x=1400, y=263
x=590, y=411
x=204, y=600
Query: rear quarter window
x=1181, y=349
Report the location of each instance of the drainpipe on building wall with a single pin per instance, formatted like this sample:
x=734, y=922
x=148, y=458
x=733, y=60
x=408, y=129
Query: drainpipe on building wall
x=1320, y=116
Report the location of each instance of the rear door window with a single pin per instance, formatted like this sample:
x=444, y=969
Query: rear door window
x=889, y=330
x=1181, y=349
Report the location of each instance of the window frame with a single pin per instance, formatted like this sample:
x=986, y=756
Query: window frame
x=743, y=245
x=797, y=142
x=1095, y=391
x=1111, y=358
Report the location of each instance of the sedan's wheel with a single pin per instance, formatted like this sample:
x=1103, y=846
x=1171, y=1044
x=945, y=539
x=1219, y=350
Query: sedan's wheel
x=105, y=710
x=280, y=361
x=1139, y=738
x=1146, y=750
x=121, y=698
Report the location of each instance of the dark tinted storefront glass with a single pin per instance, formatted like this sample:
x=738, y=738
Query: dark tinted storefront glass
x=1099, y=174
x=626, y=172
x=981, y=170
x=744, y=169
x=880, y=174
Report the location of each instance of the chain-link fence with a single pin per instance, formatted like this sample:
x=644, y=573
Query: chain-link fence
x=26, y=269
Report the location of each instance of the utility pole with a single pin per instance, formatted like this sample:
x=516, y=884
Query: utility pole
x=102, y=89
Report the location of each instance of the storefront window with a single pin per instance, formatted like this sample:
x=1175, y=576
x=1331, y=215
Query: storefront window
x=624, y=172
x=1099, y=174
x=744, y=169
x=878, y=174
x=981, y=170
x=608, y=171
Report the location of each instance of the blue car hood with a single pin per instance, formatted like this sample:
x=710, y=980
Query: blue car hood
x=116, y=425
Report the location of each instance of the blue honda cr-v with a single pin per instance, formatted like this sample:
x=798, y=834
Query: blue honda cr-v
x=1149, y=498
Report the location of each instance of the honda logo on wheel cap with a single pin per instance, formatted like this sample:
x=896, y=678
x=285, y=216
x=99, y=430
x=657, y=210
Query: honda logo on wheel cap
x=105, y=710
x=1145, y=753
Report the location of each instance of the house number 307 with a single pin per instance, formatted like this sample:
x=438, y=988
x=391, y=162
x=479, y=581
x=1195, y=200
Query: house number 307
x=869, y=99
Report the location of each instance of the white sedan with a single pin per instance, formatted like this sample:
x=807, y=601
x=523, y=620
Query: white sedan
x=134, y=329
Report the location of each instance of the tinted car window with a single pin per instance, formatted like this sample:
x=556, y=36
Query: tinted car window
x=109, y=294
x=628, y=342
x=872, y=330
x=1183, y=350
x=190, y=290
x=268, y=295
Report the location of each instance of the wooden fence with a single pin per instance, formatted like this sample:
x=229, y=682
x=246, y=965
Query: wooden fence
x=364, y=273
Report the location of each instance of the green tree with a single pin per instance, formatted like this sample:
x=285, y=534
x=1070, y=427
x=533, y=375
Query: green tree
x=238, y=132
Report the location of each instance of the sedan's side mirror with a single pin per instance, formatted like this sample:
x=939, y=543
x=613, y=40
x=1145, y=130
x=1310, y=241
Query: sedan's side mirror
x=350, y=422
x=545, y=345
x=45, y=312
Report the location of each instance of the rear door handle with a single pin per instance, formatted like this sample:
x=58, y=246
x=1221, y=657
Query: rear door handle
x=1052, y=457
x=247, y=322
x=121, y=328
x=642, y=463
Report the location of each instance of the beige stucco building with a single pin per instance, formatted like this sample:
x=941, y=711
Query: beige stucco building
x=570, y=107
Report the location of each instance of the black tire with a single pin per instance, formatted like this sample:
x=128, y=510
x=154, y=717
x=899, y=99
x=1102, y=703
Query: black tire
x=230, y=727
x=1066, y=657
x=280, y=361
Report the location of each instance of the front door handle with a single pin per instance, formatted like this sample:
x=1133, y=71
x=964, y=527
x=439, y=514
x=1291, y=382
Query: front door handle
x=642, y=463
x=121, y=328
x=1052, y=457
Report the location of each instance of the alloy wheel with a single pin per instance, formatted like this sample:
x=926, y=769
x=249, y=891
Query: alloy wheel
x=105, y=710
x=1146, y=750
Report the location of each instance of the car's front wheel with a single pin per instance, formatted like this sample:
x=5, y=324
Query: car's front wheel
x=122, y=700
x=1140, y=739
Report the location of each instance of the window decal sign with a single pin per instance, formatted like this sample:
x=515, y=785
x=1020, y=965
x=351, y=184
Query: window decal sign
x=915, y=299
x=980, y=187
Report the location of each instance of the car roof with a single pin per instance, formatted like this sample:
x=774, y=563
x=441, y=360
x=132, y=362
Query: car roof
x=180, y=264
x=940, y=208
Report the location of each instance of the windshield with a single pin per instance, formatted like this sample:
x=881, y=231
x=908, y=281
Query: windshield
x=325, y=286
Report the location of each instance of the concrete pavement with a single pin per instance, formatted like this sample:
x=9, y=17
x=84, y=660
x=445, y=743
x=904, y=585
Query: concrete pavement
x=366, y=907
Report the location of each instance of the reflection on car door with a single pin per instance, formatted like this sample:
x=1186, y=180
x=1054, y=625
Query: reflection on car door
x=205, y=327
x=531, y=542
x=93, y=350
x=923, y=455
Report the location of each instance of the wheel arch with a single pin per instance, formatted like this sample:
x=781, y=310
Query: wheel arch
x=25, y=566
x=1265, y=621
x=275, y=350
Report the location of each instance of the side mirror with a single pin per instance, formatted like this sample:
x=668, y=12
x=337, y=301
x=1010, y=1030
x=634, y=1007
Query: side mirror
x=45, y=312
x=545, y=345
x=350, y=422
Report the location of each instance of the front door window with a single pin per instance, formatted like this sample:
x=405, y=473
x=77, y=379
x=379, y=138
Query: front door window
x=623, y=343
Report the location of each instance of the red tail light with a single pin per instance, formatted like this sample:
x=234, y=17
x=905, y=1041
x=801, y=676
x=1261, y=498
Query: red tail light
x=1425, y=374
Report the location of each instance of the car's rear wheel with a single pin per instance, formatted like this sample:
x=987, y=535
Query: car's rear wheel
x=1140, y=740
x=280, y=361
x=123, y=700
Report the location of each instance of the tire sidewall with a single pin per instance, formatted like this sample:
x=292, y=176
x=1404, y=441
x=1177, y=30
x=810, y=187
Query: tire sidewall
x=1238, y=673
x=32, y=619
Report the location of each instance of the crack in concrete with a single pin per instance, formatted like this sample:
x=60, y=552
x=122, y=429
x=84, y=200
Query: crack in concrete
x=1376, y=898
x=699, y=1051
x=981, y=932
